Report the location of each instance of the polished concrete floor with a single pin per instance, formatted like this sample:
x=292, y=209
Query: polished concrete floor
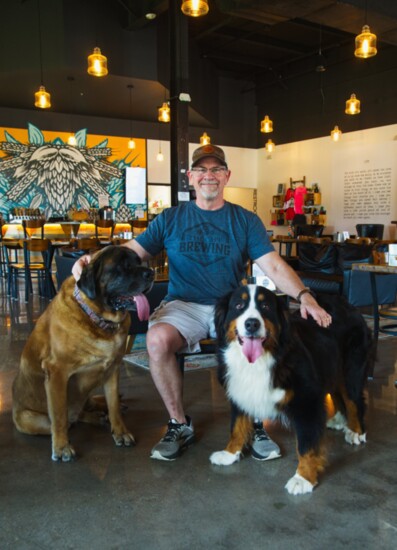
x=118, y=498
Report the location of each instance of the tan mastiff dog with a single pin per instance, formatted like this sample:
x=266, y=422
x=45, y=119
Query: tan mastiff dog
x=76, y=346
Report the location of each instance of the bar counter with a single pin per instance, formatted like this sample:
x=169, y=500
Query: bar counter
x=64, y=230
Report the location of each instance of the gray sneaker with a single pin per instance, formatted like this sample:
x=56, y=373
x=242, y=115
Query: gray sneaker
x=262, y=447
x=177, y=437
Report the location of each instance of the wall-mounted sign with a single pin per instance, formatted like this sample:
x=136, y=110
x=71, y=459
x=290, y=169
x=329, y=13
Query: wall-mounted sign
x=135, y=185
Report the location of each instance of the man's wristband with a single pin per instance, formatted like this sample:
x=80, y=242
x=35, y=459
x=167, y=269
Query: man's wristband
x=301, y=293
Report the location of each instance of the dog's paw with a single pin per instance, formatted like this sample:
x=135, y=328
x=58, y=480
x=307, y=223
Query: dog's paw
x=224, y=458
x=298, y=485
x=337, y=422
x=64, y=454
x=354, y=438
x=124, y=439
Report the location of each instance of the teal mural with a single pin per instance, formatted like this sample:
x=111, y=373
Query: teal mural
x=56, y=178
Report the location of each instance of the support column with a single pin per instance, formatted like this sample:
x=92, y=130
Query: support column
x=179, y=102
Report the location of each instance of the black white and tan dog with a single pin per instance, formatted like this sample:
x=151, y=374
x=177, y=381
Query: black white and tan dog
x=77, y=345
x=277, y=365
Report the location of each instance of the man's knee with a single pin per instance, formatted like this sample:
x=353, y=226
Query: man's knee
x=163, y=339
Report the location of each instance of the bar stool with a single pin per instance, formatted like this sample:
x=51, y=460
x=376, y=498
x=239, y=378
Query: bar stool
x=138, y=226
x=29, y=267
x=104, y=224
x=33, y=225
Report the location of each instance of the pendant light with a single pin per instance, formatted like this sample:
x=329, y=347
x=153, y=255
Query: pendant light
x=42, y=98
x=336, y=133
x=270, y=146
x=97, y=63
x=366, y=41
x=160, y=156
x=195, y=8
x=205, y=139
x=164, y=113
x=352, y=105
x=266, y=125
x=131, y=142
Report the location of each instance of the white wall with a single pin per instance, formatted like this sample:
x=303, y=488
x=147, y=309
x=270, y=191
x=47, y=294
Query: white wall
x=327, y=163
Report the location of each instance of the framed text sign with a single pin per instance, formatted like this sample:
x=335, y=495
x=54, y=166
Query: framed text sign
x=135, y=185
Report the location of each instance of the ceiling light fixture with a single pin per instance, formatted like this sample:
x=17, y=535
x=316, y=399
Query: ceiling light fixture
x=131, y=142
x=195, y=8
x=336, y=134
x=205, y=139
x=266, y=125
x=160, y=156
x=164, y=113
x=97, y=64
x=366, y=41
x=270, y=146
x=353, y=105
x=42, y=99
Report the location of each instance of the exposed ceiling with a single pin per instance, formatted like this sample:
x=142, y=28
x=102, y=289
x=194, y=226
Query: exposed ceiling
x=263, y=46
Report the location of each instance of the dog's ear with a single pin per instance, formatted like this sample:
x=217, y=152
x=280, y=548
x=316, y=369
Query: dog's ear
x=87, y=281
x=221, y=309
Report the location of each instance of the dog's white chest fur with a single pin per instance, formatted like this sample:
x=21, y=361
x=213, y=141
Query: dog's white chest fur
x=250, y=385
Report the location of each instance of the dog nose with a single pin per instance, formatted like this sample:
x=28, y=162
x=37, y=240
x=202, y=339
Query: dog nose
x=251, y=325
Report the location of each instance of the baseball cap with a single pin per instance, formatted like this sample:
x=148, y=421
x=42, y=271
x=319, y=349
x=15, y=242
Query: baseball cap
x=209, y=151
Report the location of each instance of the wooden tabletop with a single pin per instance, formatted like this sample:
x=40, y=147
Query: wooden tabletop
x=375, y=268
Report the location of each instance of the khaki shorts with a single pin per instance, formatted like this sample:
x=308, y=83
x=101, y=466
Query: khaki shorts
x=193, y=321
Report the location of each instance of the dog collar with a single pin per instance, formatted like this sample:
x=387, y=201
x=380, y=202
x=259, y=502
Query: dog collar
x=102, y=323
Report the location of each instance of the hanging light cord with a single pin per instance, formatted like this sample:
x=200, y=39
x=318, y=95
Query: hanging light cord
x=130, y=87
x=70, y=78
x=40, y=46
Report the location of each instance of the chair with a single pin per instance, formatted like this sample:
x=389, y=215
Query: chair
x=138, y=226
x=104, y=224
x=155, y=296
x=79, y=247
x=32, y=226
x=315, y=240
x=373, y=230
x=11, y=248
x=30, y=267
x=389, y=314
x=311, y=230
x=359, y=240
x=380, y=251
x=64, y=266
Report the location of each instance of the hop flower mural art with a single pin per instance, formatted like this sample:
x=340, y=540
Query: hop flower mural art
x=57, y=175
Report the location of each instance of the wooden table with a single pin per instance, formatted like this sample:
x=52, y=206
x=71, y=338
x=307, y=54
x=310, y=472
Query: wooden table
x=373, y=270
x=288, y=241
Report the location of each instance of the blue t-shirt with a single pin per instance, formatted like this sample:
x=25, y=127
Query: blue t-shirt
x=207, y=249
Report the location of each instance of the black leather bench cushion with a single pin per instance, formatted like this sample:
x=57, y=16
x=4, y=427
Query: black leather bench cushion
x=322, y=282
x=319, y=258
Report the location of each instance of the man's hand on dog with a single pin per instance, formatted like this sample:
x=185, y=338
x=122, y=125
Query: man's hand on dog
x=309, y=306
x=78, y=266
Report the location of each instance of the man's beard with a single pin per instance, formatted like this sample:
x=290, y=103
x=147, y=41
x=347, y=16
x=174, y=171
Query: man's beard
x=209, y=195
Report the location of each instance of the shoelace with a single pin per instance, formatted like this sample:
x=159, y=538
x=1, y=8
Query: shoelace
x=173, y=431
x=260, y=434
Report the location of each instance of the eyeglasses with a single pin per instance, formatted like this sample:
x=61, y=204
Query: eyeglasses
x=216, y=170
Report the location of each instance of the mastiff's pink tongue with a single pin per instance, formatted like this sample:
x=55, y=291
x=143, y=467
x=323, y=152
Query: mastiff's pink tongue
x=142, y=307
x=252, y=348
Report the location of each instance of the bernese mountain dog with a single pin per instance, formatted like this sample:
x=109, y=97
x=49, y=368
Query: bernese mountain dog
x=274, y=364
